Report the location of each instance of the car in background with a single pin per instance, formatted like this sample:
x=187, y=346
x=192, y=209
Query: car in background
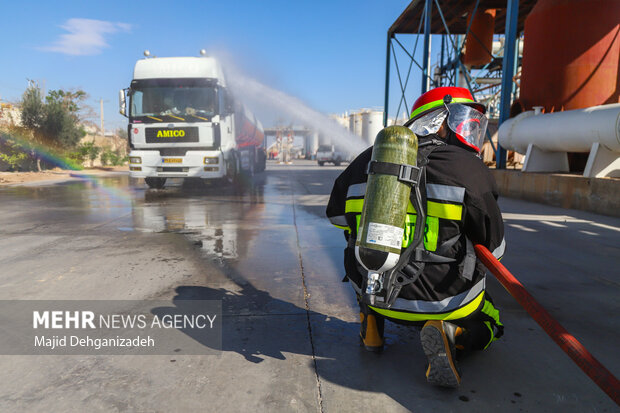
x=330, y=154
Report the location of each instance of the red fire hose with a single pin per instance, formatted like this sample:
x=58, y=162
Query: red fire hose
x=575, y=350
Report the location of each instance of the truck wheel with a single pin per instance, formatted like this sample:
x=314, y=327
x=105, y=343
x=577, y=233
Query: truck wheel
x=232, y=169
x=155, y=183
x=261, y=162
x=251, y=165
x=245, y=173
x=337, y=163
x=321, y=163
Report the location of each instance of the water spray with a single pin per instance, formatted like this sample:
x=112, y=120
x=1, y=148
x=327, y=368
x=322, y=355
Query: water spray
x=249, y=88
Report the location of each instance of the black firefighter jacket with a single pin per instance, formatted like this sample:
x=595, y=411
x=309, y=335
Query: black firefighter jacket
x=461, y=204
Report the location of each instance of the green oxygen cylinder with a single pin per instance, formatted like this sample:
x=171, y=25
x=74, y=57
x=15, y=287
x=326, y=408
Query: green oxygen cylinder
x=382, y=224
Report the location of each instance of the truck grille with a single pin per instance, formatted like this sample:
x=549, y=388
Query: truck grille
x=180, y=151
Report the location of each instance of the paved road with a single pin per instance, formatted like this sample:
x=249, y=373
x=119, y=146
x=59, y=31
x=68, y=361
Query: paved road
x=290, y=326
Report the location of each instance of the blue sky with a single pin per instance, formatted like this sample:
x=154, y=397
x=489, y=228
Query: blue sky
x=329, y=54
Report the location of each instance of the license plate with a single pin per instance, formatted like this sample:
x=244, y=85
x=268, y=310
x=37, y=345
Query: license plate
x=173, y=160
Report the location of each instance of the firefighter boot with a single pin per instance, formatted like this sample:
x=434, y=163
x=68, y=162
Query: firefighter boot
x=371, y=332
x=438, y=341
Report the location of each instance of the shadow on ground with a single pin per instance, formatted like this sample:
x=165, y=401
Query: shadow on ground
x=257, y=326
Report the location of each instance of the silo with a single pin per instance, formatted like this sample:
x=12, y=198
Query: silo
x=372, y=123
x=479, y=41
x=352, y=122
x=342, y=120
x=571, y=55
x=355, y=123
x=312, y=143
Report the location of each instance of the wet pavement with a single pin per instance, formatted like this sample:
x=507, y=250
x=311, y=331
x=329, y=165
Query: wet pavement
x=290, y=326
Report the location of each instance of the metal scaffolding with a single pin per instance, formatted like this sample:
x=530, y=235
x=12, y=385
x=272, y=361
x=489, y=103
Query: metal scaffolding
x=494, y=84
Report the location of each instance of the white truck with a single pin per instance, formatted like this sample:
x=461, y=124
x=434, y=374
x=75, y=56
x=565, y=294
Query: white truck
x=331, y=154
x=184, y=123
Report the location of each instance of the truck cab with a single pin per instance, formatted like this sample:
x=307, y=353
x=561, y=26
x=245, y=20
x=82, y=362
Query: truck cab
x=184, y=123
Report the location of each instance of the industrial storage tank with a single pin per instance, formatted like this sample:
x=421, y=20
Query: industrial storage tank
x=571, y=55
x=355, y=123
x=342, y=120
x=372, y=123
x=312, y=143
x=479, y=43
x=351, y=123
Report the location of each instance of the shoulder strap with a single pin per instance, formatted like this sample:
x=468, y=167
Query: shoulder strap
x=407, y=271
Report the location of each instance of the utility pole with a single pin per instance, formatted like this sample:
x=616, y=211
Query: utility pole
x=101, y=110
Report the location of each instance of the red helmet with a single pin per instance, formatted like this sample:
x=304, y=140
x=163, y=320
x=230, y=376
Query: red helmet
x=435, y=98
x=451, y=102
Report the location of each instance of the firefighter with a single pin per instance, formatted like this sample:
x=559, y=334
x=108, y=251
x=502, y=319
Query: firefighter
x=448, y=299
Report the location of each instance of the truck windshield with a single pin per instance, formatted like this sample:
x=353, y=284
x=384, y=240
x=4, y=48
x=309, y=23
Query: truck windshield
x=187, y=99
x=325, y=148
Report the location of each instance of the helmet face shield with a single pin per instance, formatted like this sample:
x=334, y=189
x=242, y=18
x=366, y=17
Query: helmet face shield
x=469, y=124
x=429, y=123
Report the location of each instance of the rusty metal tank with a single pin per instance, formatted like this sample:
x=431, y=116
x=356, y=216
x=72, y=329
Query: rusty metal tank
x=479, y=43
x=571, y=55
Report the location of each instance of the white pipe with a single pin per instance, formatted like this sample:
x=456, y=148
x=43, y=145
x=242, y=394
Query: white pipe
x=568, y=131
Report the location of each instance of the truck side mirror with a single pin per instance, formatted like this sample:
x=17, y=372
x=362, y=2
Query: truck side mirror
x=229, y=105
x=122, y=102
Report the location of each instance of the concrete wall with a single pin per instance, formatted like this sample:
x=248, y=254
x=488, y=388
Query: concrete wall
x=598, y=195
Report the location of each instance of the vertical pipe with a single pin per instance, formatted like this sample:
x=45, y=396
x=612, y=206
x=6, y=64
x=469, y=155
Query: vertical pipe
x=441, y=68
x=516, y=65
x=429, y=78
x=510, y=40
x=427, y=41
x=457, y=66
x=101, y=111
x=387, y=80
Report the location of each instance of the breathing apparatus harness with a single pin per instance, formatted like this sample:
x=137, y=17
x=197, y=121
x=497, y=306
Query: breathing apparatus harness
x=383, y=291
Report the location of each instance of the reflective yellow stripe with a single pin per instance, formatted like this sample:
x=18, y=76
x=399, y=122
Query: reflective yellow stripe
x=354, y=205
x=434, y=209
x=341, y=227
x=437, y=103
x=453, y=315
x=445, y=211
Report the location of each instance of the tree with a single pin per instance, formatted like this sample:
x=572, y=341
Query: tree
x=33, y=115
x=106, y=156
x=12, y=152
x=69, y=100
x=90, y=151
x=60, y=128
x=62, y=119
x=55, y=122
x=112, y=157
x=33, y=109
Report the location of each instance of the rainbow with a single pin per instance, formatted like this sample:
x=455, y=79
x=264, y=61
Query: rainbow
x=51, y=156
x=44, y=153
